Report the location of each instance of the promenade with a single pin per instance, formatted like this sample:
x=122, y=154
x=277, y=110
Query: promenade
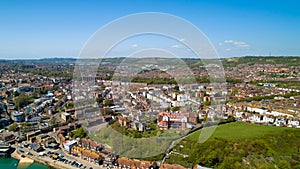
x=29, y=159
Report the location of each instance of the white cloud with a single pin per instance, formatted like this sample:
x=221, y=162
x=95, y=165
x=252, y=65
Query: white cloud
x=176, y=46
x=243, y=45
x=233, y=48
x=236, y=43
x=182, y=40
x=228, y=41
x=239, y=43
x=134, y=45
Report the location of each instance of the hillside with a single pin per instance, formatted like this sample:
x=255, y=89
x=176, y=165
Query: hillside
x=241, y=145
x=250, y=60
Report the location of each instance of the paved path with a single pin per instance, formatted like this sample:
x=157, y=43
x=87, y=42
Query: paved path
x=57, y=164
x=175, y=142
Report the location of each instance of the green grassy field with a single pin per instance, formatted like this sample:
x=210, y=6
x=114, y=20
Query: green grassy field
x=242, y=130
x=232, y=145
x=241, y=145
x=128, y=146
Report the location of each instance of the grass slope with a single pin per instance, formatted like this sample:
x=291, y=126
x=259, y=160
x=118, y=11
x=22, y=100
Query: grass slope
x=241, y=145
x=241, y=130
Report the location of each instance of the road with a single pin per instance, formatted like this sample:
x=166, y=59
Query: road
x=48, y=160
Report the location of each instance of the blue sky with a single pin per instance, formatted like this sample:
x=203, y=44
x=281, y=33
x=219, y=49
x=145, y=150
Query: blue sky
x=60, y=28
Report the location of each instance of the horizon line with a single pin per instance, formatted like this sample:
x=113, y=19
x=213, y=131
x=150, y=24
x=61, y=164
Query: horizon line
x=111, y=57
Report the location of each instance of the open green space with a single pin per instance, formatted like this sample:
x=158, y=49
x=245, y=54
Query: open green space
x=241, y=130
x=241, y=145
x=126, y=144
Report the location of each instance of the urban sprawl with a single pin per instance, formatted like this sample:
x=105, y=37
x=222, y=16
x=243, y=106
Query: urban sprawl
x=44, y=118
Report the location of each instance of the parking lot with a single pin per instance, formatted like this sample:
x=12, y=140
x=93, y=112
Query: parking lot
x=59, y=157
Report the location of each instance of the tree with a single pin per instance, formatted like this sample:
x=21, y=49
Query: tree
x=106, y=111
x=22, y=101
x=231, y=119
x=212, y=158
x=79, y=133
x=16, y=93
x=235, y=91
x=297, y=167
x=108, y=103
x=267, y=166
x=176, y=88
x=238, y=164
x=36, y=94
x=13, y=127
x=283, y=165
x=25, y=126
x=207, y=103
x=100, y=100
x=53, y=121
x=69, y=106
x=175, y=108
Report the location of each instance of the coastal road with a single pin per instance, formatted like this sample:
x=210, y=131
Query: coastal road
x=55, y=163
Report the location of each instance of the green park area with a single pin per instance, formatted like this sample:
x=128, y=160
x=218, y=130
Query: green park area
x=232, y=145
x=241, y=145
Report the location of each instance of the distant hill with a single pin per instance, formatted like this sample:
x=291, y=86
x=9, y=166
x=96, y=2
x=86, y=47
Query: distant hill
x=57, y=60
x=44, y=60
x=193, y=63
x=250, y=60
